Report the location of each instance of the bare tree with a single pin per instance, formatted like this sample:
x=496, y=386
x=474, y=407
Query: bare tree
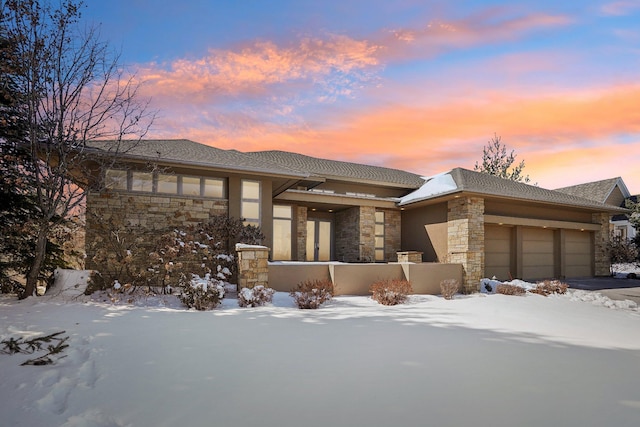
x=496, y=161
x=73, y=91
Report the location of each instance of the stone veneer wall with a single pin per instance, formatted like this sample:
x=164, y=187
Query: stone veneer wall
x=392, y=235
x=367, y=227
x=355, y=237
x=347, y=237
x=253, y=266
x=150, y=211
x=601, y=241
x=301, y=233
x=465, y=227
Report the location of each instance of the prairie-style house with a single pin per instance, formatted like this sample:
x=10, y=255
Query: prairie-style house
x=312, y=209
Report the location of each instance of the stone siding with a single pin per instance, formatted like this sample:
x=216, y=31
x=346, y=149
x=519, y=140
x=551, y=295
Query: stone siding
x=347, y=236
x=301, y=233
x=602, y=263
x=465, y=227
x=149, y=211
x=392, y=235
x=253, y=266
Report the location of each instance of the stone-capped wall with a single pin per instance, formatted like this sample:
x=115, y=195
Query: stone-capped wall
x=465, y=226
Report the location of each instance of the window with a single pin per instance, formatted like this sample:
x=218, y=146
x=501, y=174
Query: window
x=190, y=186
x=213, y=188
x=282, y=221
x=167, y=184
x=250, y=208
x=162, y=183
x=115, y=179
x=142, y=181
x=379, y=232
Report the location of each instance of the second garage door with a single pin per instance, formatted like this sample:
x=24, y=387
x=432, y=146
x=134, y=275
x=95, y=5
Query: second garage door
x=537, y=253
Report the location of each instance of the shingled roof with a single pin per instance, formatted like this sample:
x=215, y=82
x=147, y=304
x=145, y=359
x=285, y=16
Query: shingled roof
x=190, y=153
x=462, y=180
x=597, y=190
x=334, y=169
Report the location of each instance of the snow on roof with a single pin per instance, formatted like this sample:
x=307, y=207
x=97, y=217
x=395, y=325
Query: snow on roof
x=438, y=184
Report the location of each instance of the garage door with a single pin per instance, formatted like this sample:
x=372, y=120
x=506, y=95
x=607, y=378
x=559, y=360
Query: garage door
x=578, y=253
x=537, y=253
x=497, y=256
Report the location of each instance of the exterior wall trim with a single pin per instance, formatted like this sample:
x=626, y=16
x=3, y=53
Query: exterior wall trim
x=530, y=222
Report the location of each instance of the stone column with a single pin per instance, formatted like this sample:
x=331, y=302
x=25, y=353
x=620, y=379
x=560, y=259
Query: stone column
x=465, y=227
x=253, y=265
x=301, y=233
x=602, y=264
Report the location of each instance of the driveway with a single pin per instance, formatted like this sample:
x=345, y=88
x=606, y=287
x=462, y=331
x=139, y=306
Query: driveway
x=616, y=289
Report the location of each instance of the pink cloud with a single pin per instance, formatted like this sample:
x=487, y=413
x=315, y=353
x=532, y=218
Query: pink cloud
x=252, y=69
x=620, y=8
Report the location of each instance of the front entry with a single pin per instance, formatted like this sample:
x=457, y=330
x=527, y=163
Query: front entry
x=318, y=240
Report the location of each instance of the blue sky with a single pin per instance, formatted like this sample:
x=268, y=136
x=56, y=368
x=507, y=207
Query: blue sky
x=415, y=85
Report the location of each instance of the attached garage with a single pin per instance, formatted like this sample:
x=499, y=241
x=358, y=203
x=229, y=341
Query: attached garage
x=534, y=253
x=498, y=252
x=578, y=253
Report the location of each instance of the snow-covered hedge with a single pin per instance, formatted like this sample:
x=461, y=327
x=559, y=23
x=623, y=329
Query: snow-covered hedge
x=310, y=294
x=255, y=297
x=202, y=293
x=391, y=292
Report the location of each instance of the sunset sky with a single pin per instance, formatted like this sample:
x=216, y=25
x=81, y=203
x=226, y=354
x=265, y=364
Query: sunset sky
x=417, y=85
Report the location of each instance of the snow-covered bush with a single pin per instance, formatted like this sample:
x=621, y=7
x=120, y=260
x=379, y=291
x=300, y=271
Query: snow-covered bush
x=391, y=291
x=310, y=294
x=549, y=287
x=507, y=289
x=255, y=297
x=163, y=260
x=448, y=288
x=202, y=293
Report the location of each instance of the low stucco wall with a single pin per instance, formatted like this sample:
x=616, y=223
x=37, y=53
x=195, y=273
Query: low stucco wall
x=425, y=278
x=355, y=279
x=283, y=277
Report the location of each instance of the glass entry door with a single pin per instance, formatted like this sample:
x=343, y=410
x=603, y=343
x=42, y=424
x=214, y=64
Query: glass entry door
x=318, y=240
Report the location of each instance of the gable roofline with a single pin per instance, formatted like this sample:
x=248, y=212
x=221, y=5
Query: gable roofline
x=459, y=180
x=597, y=190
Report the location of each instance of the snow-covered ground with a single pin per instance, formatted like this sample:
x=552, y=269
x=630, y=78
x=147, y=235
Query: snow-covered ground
x=481, y=360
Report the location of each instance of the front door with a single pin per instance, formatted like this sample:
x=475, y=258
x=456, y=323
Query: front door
x=318, y=240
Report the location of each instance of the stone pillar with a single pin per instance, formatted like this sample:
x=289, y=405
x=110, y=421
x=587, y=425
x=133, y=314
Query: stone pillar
x=465, y=227
x=602, y=264
x=253, y=265
x=301, y=233
x=410, y=256
x=367, y=225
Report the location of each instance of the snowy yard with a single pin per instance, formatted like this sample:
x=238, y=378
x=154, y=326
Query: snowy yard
x=482, y=360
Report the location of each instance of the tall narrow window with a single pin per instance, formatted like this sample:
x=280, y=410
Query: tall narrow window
x=282, y=221
x=250, y=209
x=379, y=236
